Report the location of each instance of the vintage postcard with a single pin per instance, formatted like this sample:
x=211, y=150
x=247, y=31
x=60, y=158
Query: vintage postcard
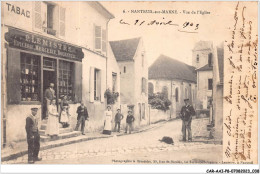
x=92, y=82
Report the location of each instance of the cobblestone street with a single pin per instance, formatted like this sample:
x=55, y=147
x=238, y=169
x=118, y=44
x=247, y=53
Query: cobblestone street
x=132, y=147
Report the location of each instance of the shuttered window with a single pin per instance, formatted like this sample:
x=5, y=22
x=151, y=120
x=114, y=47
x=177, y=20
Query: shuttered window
x=98, y=38
x=104, y=46
x=62, y=21
x=38, y=15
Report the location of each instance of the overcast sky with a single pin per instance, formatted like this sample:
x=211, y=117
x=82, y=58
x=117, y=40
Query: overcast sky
x=168, y=40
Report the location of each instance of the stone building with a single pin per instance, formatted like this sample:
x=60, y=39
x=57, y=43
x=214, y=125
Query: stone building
x=174, y=78
x=54, y=42
x=131, y=58
x=202, y=60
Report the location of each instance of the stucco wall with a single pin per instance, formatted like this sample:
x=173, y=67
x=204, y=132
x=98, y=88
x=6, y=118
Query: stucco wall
x=202, y=88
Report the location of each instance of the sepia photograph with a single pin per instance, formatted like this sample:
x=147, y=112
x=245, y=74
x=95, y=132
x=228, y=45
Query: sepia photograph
x=137, y=82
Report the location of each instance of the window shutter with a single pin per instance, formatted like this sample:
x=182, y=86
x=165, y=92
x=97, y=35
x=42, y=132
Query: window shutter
x=78, y=81
x=104, y=46
x=102, y=80
x=98, y=38
x=37, y=16
x=91, y=84
x=62, y=21
x=13, y=77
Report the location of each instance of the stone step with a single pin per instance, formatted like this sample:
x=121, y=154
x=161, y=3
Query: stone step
x=44, y=126
x=61, y=131
x=45, y=138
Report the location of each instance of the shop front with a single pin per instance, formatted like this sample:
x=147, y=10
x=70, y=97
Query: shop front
x=33, y=62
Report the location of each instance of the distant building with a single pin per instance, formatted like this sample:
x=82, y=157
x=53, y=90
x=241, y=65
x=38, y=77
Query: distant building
x=202, y=60
x=175, y=78
x=131, y=58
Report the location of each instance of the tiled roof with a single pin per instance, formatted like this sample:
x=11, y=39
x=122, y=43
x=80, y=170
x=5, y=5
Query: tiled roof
x=205, y=68
x=167, y=68
x=124, y=50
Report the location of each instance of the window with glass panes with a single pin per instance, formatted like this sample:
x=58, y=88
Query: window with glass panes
x=30, y=77
x=65, y=80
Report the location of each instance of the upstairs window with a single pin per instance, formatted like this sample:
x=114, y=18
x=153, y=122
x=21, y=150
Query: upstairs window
x=124, y=69
x=144, y=86
x=100, y=39
x=198, y=58
x=210, y=59
x=210, y=81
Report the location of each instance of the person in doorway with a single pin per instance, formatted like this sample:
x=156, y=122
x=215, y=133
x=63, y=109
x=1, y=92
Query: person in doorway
x=129, y=122
x=82, y=117
x=64, y=114
x=53, y=120
x=33, y=137
x=187, y=112
x=108, y=121
x=118, y=118
x=49, y=95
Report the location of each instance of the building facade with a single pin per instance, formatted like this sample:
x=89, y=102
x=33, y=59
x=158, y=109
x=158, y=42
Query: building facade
x=174, y=78
x=131, y=58
x=202, y=60
x=54, y=42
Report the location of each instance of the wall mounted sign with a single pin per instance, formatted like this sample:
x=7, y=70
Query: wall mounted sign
x=41, y=44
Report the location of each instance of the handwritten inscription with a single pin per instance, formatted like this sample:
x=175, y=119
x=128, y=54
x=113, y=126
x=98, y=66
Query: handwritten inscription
x=240, y=90
x=189, y=26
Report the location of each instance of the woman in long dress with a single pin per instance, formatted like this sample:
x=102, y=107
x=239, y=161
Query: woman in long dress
x=53, y=120
x=108, y=121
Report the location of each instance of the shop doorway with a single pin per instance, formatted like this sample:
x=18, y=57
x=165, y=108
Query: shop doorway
x=49, y=76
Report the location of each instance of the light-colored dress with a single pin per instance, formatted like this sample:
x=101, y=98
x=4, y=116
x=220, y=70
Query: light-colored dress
x=53, y=121
x=64, y=118
x=108, y=124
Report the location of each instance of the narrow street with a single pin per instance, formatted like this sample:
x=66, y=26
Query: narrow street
x=139, y=148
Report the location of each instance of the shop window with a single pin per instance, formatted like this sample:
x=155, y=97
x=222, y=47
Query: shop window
x=97, y=84
x=114, y=81
x=210, y=81
x=65, y=79
x=100, y=39
x=30, y=77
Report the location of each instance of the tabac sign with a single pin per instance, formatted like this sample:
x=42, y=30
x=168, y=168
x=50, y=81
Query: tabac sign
x=40, y=44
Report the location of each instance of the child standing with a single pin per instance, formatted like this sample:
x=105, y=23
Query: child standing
x=129, y=122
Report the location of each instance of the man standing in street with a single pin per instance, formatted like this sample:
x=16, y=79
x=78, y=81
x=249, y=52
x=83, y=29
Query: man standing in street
x=33, y=137
x=129, y=122
x=49, y=95
x=118, y=119
x=82, y=117
x=187, y=112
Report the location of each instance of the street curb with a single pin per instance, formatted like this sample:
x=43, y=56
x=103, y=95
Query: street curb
x=49, y=146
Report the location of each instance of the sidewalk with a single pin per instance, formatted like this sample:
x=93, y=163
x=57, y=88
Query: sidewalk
x=20, y=148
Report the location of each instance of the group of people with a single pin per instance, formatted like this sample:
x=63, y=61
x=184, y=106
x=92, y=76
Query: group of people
x=118, y=117
x=54, y=114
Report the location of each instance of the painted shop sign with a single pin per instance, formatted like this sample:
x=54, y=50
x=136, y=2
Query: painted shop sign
x=18, y=10
x=40, y=44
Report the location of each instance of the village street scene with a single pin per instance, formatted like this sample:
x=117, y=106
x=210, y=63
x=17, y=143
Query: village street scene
x=73, y=92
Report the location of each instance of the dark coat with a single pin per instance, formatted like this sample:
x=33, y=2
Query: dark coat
x=187, y=112
x=130, y=119
x=82, y=113
x=31, y=126
x=48, y=94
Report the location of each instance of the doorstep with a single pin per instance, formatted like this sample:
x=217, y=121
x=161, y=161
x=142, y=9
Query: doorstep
x=9, y=154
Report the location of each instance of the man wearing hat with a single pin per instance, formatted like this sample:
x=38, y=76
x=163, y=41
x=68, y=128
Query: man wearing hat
x=82, y=117
x=49, y=95
x=118, y=118
x=187, y=112
x=33, y=137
